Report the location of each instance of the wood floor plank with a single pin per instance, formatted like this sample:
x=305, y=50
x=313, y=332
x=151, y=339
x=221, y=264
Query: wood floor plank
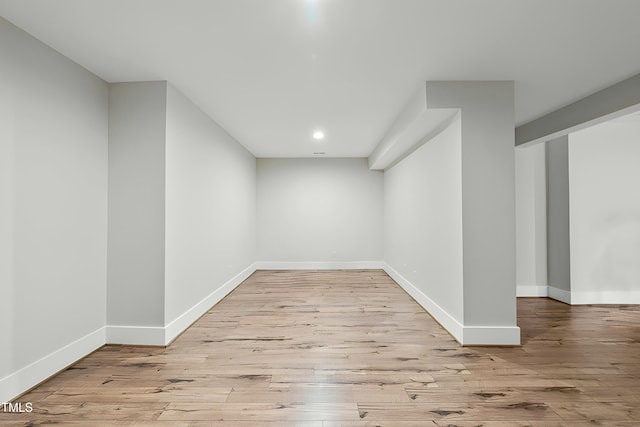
x=351, y=348
x=260, y=412
x=456, y=411
x=321, y=394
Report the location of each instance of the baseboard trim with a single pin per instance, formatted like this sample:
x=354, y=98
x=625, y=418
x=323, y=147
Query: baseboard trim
x=532, y=291
x=319, y=265
x=560, y=294
x=465, y=335
x=163, y=336
x=491, y=335
x=33, y=374
x=594, y=297
x=605, y=297
x=136, y=335
x=453, y=326
x=182, y=322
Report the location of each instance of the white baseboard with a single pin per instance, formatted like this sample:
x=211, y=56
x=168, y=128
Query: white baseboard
x=465, y=335
x=181, y=323
x=24, y=379
x=532, y=291
x=491, y=335
x=560, y=294
x=162, y=336
x=453, y=326
x=31, y=375
x=135, y=335
x=594, y=297
x=605, y=297
x=319, y=265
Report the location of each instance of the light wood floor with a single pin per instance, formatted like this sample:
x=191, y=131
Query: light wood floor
x=350, y=348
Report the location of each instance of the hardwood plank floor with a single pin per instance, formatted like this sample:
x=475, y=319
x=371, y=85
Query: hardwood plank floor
x=350, y=348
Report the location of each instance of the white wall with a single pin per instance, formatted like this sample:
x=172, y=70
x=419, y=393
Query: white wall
x=531, y=221
x=423, y=220
x=604, y=181
x=137, y=121
x=53, y=218
x=319, y=210
x=210, y=206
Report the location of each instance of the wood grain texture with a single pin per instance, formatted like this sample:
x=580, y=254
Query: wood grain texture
x=350, y=348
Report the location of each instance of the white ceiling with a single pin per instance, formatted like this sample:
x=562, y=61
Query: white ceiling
x=272, y=71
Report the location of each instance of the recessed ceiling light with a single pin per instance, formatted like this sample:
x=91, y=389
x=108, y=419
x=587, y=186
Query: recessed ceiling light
x=318, y=135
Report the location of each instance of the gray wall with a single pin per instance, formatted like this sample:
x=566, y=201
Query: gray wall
x=319, y=210
x=483, y=310
x=488, y=196
x=53, y=213
x=558, y=253
x=423, y=220
x=531, y=220
x=137, y=121
x=210, y=206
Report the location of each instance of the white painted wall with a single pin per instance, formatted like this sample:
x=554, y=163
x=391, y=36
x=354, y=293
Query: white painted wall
x=53, y=213
x=423, y=220
x=137, y=113
x=531, y=221
x=210, y=206
x=319, y=210
x=604, y=182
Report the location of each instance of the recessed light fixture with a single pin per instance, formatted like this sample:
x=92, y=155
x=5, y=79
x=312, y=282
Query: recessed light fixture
x=318, y=135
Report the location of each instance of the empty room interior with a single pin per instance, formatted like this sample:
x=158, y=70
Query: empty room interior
x=320, y=212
